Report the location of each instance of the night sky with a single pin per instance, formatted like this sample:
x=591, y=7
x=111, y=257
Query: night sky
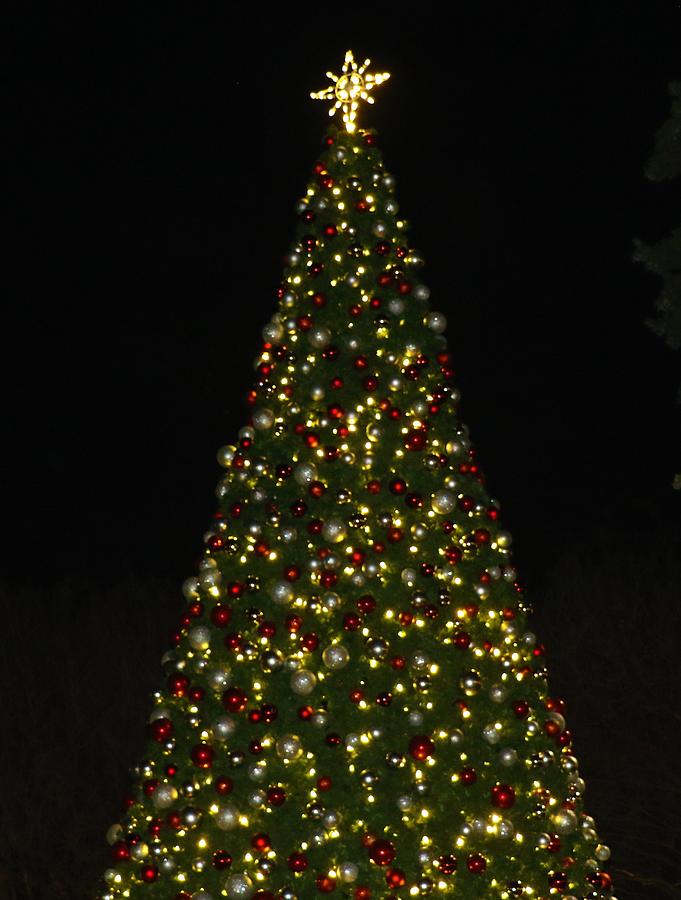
x=155, y=162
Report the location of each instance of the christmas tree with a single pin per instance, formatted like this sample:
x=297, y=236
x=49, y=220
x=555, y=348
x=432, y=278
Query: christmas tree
x=353, y=703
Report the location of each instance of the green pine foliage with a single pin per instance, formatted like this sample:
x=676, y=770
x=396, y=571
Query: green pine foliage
x=355, y=703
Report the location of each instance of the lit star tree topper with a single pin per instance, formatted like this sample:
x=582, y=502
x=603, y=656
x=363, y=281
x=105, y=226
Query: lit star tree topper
x=349, y=88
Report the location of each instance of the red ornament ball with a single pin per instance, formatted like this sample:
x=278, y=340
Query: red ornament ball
x=382, y=852
x=468, y=775
x=261, y=842
x=521, y=708
x=326, y=885
x=503, y=796
x=476, y=863
x=202, y=756
x=224, y=785
x=120, y=851
x=149, y=874
x=234, y=700
x=447, y=864
x=276, y=796
x=395, y=878
x=421, y=747
x=297, y=862
x=161, y=729
x=221, y=859
x=221, y=615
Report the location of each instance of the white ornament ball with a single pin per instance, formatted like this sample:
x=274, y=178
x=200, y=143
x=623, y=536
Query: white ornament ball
x=210, y=578
x=443, y=502
x=334, y=530
x=167, y=864
x=564, y=821
x=331, y=600
x=405, y=803
x=227, y=817
x=114, y=833
x=408, y=576
x=289, y=748
x=223, y=727
x=273, y=332
x=498, y=693
x=239, y=887
x=164, y=796
x=220, y=677
x=199, y=637
x=303, y=682
x=257, y=771
x=456, y=737
x=263, y=419
x=304, y=473
x=478, y=825
x=336, y=656
x=190, y=588
x=257, y=798
x=602, y=852
x=508, y=756
x=319, y=336
x=490, y=734
x=282, y=593
x=348, y=872
x=436, y=321
x=225, y=456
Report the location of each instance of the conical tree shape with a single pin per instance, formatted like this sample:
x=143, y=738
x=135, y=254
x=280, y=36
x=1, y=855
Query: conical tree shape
x=354, y=703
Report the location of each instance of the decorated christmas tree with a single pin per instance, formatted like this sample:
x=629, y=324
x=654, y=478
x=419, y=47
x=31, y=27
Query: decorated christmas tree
x=353, y=703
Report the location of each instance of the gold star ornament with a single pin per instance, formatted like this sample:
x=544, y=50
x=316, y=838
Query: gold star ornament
x=349, y=88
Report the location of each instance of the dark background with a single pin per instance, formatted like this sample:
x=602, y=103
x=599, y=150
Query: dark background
x=156, y=157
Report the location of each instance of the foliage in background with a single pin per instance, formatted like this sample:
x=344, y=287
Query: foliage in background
x=664, y=257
